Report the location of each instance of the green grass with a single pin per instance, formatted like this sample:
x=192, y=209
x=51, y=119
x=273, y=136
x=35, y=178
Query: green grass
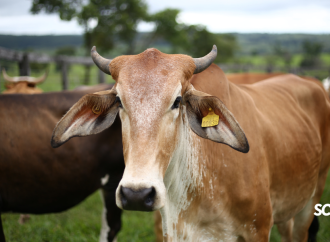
x=76, y=76
x=83, y=223
x=79, y=224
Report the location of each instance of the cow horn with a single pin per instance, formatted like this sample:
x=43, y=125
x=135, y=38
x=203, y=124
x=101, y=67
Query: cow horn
x=102, y=63
x=204, y=62
x=38, y=79
x=24, y=78
x=8, y=78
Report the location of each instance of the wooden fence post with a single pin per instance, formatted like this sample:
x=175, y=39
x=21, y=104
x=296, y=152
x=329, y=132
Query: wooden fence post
x=0, y=77
x=269, y=69
x=101, y=76
x=87, y=74
x=64, y=76
x=24, y=67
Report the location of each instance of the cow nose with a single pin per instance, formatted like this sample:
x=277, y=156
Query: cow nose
x=140, y=200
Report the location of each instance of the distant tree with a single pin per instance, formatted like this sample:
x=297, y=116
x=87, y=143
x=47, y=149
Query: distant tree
x=201, y=41
x=311, y=54
x=117, y=20
x=254, y=52
x=167, y=28
x=270, y=62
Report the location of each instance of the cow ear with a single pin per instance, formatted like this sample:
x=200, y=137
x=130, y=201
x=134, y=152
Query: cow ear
x=92, y=114
x=227, y=131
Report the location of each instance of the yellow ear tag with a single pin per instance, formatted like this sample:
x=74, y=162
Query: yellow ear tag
x=211, y=119
x=96, y=110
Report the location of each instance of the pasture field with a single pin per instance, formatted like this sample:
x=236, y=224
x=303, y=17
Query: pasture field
x=83, y=223
x=79, y=224
x=53, y=82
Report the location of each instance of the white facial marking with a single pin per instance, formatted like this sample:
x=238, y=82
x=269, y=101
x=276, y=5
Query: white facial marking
x=105, y=229
x=104, y=179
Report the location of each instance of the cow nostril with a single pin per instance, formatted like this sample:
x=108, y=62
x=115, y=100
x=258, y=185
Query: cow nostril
x=151, y=197
x=123, y=197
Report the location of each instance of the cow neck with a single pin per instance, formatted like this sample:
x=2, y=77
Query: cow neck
x=181, y=178
x=186, y=174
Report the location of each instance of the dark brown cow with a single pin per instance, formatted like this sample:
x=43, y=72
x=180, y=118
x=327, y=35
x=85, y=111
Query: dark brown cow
x=182, y=142
x=37, y=179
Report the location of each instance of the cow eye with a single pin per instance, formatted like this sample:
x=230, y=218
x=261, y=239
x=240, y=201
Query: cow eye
x=176, y=102
x=118, y=101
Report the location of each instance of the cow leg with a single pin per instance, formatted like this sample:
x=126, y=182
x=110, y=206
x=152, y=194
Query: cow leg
x=302, y=221
x=2, y=235
x=285, y=230
x=111, y=217
x=158, y=226
x=23, y=218
x=313, y=229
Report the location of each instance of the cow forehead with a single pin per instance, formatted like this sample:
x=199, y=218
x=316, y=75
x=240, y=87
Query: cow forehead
x=148, y=82
x=151, y=67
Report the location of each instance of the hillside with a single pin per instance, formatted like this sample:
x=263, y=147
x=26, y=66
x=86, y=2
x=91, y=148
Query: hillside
x=264, y=43
x=25, y=42
x=248, y=43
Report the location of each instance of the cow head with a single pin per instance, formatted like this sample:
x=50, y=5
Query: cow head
x=154, y=99
x=22, y=84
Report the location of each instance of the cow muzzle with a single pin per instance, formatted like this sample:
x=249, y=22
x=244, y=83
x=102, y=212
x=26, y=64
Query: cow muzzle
x=140, y=196
x=140, y=200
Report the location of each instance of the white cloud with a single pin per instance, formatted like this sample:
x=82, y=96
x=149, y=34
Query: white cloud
x=272, y=16
x=291, y=20
x=40, y=24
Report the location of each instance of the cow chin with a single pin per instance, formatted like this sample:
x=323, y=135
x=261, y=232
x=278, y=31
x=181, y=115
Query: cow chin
x=140, y=194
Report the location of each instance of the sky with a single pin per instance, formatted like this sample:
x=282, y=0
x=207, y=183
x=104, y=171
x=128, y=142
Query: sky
x=220, y=16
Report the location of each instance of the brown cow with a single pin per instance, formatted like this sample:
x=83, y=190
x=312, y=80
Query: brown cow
x=23, y=84
x=37, y=179
x=187, y=155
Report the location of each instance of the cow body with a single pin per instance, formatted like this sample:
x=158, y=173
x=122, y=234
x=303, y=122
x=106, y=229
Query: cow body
x=35, y=178
x=205, y=189
x=250, y=78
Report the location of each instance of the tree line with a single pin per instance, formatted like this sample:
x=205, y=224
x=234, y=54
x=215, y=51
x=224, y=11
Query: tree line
x=112, y=24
